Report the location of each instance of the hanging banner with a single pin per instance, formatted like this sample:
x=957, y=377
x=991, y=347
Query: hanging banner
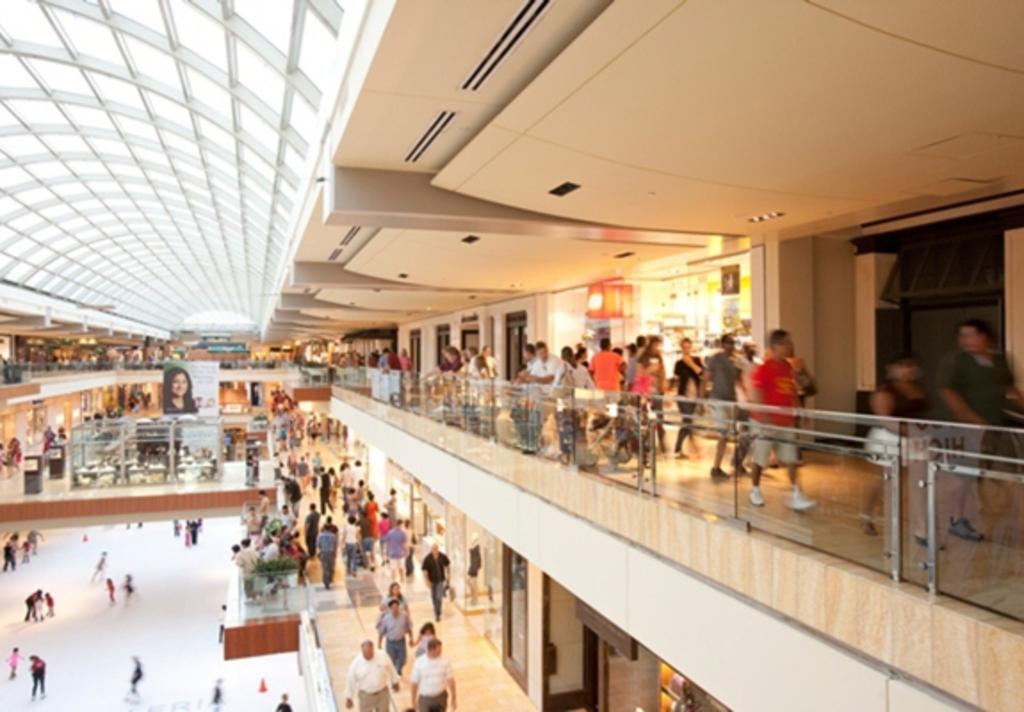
x=192, y=388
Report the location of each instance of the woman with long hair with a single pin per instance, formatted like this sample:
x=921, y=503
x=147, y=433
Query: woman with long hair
x=178, y=392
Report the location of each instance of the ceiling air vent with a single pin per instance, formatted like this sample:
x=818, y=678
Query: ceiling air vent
x=509, y=39
x=334, y=255
x=439, y=124
x=470, y=239
x=564, y=188
x=350, y=235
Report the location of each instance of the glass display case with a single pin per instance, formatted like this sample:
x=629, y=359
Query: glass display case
x=140, y=451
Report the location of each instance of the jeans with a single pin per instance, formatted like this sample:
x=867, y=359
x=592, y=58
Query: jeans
x=351, y=551
x=396, y=650
x=437, y=596
x=686, y=429
x=327, y=563
x=38, y=683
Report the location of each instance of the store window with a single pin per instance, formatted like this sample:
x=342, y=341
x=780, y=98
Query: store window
x=713, y=299
x=516, y=621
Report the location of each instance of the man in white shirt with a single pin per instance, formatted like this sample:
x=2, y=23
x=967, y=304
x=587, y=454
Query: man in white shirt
x=433, y=683
x=369, y=676
x=544, y=368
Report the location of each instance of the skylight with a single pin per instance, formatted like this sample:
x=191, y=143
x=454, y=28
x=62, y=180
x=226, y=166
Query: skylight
x=150, y=149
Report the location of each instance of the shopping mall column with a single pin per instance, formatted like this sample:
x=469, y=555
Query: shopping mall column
x=1014, y=286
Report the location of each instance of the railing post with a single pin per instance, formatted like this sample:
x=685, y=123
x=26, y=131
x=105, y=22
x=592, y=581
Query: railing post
x=654, y=456
x=572, y=431
x=494, y=411
x=639, y=444
x=892, y=474
x=933, y=546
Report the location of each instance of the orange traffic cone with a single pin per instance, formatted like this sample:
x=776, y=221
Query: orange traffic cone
x=85, y=538
x=263, y=685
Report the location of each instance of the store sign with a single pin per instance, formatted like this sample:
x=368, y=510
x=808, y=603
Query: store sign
x=609, y=300
x=192, y=387
x=730, y=280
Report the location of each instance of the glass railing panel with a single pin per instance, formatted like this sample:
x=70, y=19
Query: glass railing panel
x=607, y=435
x=683, y=441
x=974, y=547
x=264, y=595
x=827, y=481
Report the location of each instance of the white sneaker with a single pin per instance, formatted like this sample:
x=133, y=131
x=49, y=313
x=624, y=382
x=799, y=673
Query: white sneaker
x=800, y=502
x=756, y=498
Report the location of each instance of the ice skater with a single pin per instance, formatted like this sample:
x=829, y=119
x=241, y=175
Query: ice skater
x=13, y=660
x=129, y=588
x=133, y=692
x=218, y=695
x=111, y=591
x=38, y=667
x=49, y=604
x=101, y=566
x=32, y=606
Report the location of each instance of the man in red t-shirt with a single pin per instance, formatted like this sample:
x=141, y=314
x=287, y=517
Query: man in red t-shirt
x=774, y=385
x=607, y=367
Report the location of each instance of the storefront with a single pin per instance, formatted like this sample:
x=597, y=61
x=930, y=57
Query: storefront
x=711, y=299
x=590, y=663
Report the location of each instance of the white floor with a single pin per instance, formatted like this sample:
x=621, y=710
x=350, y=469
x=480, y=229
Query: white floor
x=171, y=625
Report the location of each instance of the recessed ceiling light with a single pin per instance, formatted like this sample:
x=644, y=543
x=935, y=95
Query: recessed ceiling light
x=470, y=239
x=624, y=255
x=774, y=214
x=472, y=296
x=403, y=275
x=564, y=188
x=515, y=285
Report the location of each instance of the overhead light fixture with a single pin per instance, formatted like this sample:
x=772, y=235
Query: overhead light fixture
x=470, y=239
x=624, y=255
x=765, y=217
x=564, y=188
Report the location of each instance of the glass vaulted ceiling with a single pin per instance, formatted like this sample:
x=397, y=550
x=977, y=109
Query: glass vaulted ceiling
x=152, y=151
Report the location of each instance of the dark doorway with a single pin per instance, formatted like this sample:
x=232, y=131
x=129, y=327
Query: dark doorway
x=931, y=334
x=444, y=339
x=515, y=340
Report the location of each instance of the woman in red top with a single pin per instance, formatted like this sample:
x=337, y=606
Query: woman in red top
x=774, y=385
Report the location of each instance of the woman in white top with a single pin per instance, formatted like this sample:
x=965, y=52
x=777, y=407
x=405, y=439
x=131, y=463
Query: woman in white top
x=572, y=374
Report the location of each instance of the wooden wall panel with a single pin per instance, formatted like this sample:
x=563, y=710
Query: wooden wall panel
x=126, y=506
x=276, y=635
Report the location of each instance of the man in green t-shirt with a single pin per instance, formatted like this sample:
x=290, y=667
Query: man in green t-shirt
x=975, y=384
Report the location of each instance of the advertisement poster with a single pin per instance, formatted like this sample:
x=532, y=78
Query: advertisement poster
x=192, y=388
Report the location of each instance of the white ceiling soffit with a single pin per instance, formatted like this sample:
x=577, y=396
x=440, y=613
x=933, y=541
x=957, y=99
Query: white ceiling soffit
x=435, y=259
x=699, y=115
x=413, y=112
x=152, y=151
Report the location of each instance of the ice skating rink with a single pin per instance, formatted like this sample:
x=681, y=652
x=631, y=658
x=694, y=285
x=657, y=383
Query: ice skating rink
x=171, y=624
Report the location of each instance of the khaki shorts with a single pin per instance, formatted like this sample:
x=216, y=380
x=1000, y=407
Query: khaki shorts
x=768, y=440
x=722, y=416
